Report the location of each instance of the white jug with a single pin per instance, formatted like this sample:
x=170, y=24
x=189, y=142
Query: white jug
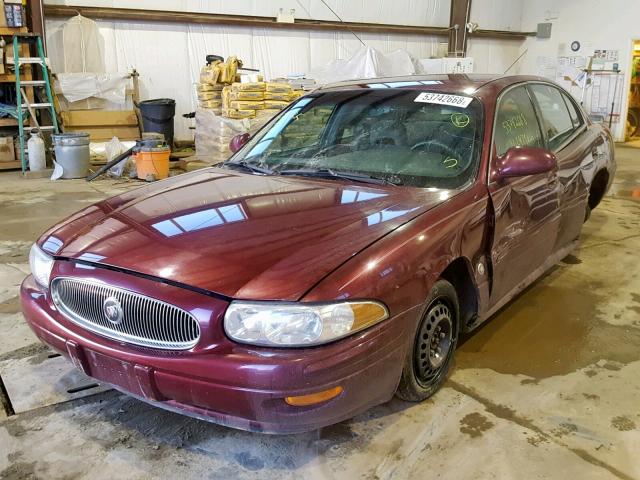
x=35, y=147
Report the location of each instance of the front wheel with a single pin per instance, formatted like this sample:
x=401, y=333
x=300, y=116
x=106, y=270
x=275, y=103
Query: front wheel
x=428, y=361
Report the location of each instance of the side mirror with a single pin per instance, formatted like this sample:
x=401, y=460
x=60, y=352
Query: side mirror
x=522, y=161
x=238, y=141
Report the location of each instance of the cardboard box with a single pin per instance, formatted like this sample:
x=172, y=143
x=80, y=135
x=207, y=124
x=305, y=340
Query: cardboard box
x=7, y=152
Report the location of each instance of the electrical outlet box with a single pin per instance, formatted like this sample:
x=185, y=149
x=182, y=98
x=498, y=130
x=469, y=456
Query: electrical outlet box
x=544, y=30
x=286, y=17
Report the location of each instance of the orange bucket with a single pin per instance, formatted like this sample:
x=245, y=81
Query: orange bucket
x=153, y=161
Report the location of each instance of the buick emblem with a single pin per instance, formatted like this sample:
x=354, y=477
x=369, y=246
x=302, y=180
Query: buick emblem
x=112, y=310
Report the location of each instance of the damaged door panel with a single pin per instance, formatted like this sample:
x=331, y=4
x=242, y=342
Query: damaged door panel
x=526, y=213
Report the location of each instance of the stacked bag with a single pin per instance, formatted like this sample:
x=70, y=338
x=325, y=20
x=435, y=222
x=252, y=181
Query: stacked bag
x=228, y=107
x=210, y=97
x=213, y=77
x=253, y=99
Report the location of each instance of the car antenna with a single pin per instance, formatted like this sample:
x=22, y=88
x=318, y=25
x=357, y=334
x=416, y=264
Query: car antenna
x=342, y=21
x=516, y=61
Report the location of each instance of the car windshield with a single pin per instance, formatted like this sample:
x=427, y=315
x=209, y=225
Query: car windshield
x=403, y=137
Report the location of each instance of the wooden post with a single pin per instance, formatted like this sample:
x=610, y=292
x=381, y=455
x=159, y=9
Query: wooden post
x=458, y=27
x=136, y=98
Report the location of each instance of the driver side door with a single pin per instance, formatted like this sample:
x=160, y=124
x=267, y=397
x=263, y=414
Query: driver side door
x=526, y=208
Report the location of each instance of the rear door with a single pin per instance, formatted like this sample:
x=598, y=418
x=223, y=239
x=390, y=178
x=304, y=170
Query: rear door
x=567, y=137
x=525, y=208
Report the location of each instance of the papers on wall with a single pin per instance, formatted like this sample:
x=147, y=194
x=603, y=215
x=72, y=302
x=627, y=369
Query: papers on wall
x=567, y=71
x=546, y=67
x=597, y=89
x=605, y=89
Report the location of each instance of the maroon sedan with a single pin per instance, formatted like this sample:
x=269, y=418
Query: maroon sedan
x=334, y=260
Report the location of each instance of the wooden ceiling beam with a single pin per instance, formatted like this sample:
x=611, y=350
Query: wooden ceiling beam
x=161, y=16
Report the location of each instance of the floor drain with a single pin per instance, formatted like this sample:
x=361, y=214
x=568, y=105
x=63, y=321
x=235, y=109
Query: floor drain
x=54, y=355
x=82, y=388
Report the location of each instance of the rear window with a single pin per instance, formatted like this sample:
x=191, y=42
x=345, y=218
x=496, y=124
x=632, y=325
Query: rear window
x=407, y=137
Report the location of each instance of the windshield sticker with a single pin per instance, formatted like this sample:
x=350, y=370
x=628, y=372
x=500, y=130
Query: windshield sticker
x=444, y=99
x=460, y=120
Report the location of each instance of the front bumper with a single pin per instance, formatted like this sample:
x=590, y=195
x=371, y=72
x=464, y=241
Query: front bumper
x=235, y=385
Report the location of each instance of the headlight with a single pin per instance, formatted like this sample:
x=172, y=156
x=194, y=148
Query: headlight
x=41, y=265
x=299, y=325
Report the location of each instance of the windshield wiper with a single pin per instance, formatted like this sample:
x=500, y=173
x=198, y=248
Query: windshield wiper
x=329, y=173
x=246, y=166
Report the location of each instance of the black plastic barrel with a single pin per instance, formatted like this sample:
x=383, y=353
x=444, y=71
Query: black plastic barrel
x=157, y=116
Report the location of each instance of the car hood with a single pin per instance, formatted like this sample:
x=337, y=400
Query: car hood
x=238, y=235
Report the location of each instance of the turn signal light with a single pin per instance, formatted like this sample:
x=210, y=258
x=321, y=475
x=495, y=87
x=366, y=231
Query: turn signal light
x=313, y=398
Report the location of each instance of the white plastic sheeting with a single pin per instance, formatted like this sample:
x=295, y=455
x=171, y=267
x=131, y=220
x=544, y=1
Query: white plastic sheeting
x=81, y=46
x=367, y=62
x=78, y=86
x=169, y=56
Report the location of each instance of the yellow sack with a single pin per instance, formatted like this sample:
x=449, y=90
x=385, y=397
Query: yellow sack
x=231, y=113
x=246, y=95
x=210, y=95
x=283, y=97
x=248, y=86
x=274, y=87
x=275, y=104
x=211, y=104
x=209, y=74
x=226, y=97
x=246, y=105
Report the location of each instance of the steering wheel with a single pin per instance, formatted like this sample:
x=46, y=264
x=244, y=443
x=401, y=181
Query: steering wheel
x=450, y=155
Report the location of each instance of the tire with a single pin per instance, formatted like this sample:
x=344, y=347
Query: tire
x=425, y=368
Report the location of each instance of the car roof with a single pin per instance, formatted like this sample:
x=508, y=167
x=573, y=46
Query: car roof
x=451, y=83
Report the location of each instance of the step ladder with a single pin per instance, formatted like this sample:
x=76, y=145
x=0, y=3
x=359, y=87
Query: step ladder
x=45, y=83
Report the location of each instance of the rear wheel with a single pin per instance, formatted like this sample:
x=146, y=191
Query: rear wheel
x=428, y=361
x=596, y=192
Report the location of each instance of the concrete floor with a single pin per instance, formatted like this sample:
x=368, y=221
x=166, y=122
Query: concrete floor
x=548, y=388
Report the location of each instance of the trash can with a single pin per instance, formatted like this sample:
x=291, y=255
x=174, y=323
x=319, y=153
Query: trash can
x=157, y=116
x=72, y=153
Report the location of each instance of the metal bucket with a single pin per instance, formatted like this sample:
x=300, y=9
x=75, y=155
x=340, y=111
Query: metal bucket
x=72, y=153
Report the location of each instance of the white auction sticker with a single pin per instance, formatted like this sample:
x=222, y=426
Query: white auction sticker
x=444, y=99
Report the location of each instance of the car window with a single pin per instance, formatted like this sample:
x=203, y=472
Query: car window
x=556, y=121
x=516, y=122
x=396, y=135
x=301, y=132
x=576, y=116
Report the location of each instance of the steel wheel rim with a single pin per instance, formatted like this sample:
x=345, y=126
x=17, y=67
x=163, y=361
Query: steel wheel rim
x=434, y=342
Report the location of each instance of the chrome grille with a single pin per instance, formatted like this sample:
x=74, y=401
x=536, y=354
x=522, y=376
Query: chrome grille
x=145, y=321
